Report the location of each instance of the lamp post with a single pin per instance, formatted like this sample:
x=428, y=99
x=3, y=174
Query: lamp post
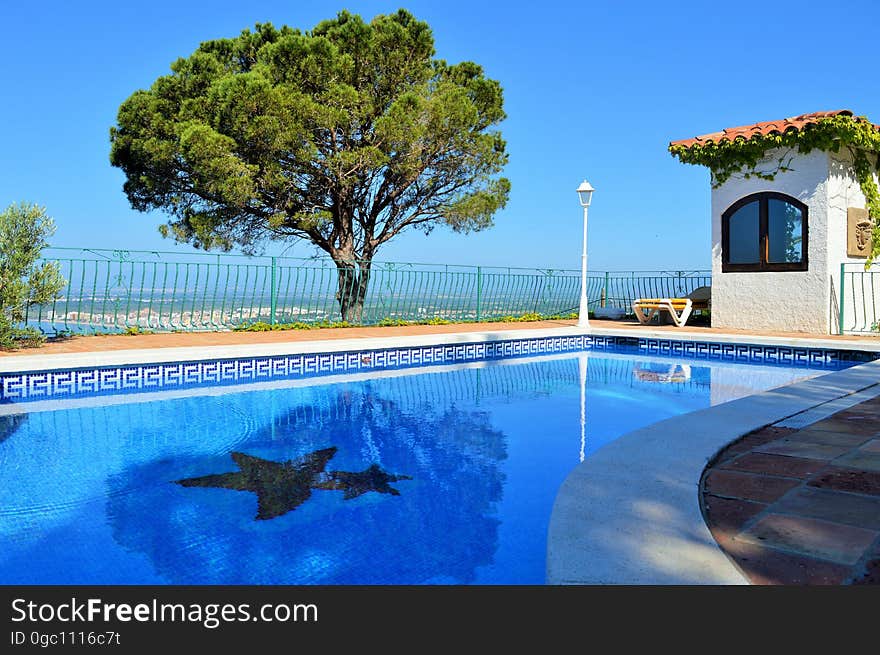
x=585, y=195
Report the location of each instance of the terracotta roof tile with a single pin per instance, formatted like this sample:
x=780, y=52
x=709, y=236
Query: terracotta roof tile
x=764, y=129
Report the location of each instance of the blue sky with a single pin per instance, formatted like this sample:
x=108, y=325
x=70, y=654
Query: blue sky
x=593, y=90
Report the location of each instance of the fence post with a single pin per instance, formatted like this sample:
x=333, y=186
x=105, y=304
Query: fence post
x=479, y=292
x=605, y=290
x=840, y=304
x=273, y=294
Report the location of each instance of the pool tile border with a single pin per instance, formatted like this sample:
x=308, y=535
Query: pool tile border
x=24, y=386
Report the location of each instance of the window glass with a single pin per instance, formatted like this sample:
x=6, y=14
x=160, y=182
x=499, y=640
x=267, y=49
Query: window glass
x=744, y=235
x=784, y=230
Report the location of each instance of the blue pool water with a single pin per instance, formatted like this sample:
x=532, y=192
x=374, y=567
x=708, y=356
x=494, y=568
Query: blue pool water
x=92, y=493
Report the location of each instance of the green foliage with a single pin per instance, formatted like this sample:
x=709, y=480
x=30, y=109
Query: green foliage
x=389, y=322
x=262, y=326
x=345, y=135
x=134, y=330
x=830, y=134
x=24, y=229
x=528, y=316
x=533, y=316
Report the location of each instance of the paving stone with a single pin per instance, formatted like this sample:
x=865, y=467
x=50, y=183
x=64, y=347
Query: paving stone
x=768, y=566
x=748, y=486
x=752, y=440
x=860, y=459
x=846, y=425
x=844, y=479
x=729, y=514
x=872, y=446
x=872, y=405
x=803, y=449
x=831, y=438
x=843, y=544
x=734, y=547
x=836, y=506
x=870, y=575
x=765, y=435
x=728, y=454
x=859, y=413
x=790, y=467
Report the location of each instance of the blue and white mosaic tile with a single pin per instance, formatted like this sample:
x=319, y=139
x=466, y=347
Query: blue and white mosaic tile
x=42, y=385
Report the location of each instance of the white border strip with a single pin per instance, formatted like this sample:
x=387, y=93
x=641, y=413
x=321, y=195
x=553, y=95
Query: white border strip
x=630, y=513
x=741, y=339
x=248, y=387
x=36, y=363
x=66, y=402
x=187, y=354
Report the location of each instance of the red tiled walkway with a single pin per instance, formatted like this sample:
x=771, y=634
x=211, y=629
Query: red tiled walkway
x=79, y=344
x=801, y=506
x=85, y=344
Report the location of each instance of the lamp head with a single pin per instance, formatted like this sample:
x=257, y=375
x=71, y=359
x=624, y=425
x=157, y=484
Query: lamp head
x=585, y=193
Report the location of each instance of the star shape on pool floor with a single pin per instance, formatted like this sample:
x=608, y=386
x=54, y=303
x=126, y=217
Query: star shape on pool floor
x=281, y=487
x=355, y=484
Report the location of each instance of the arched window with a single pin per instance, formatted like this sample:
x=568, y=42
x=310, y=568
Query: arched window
x=764, y=232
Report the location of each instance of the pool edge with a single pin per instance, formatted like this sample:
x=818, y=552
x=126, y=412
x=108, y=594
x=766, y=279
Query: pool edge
x=630, y=513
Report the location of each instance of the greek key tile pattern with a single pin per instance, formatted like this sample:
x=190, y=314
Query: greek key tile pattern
x=43, y=385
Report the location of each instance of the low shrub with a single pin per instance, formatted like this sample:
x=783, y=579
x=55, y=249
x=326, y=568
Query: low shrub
x=263, y=326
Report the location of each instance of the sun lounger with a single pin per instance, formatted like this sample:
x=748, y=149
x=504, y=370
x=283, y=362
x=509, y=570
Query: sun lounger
x=679, y=308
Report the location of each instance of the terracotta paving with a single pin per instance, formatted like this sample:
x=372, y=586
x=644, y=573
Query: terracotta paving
x=801, y=507
x=79, y=344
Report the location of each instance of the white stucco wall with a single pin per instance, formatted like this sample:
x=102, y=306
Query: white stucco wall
x=780, y=300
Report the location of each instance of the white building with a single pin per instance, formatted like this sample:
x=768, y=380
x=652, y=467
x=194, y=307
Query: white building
x=778, y=245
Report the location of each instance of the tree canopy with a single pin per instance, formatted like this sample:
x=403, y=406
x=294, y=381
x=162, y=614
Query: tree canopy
x=24, y=280
x=345, y=135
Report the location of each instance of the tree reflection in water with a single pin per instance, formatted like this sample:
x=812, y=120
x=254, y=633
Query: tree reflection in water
x=440, y=529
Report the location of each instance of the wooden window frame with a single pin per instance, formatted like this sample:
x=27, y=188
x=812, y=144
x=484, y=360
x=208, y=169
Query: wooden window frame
x=762, y=199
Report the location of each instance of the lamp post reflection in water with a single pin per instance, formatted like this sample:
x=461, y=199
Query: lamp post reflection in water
x=582, y=372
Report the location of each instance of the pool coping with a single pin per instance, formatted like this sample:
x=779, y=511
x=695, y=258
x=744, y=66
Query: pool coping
x=630, y=513
x=42, y=362
x=806, y=341
x=203, y=353
x=68, y=375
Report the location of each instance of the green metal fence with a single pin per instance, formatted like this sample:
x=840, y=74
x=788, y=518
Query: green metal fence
x=621, y=288
x=115, y=290
x=856, y=300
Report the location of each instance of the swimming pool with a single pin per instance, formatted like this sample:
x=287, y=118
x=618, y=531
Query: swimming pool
x=415, y=476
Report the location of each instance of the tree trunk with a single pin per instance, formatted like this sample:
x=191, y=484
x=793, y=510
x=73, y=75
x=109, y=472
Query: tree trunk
x=352, y=289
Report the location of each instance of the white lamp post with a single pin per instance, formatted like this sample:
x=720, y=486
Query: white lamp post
x=585, y=194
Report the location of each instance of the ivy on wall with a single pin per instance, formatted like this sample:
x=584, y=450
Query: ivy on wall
x=829, y=134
